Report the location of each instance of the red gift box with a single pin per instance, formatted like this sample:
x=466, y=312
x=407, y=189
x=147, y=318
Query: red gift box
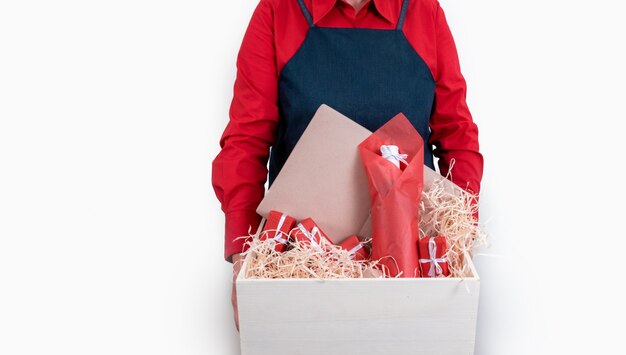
x=308, y=232
x=432, y=260
x=277, y=228
x=355, y=248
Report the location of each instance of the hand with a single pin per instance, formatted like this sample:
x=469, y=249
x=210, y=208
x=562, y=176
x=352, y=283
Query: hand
x=237, y=261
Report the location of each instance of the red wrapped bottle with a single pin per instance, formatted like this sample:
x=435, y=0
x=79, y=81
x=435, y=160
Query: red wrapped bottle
x=395, y=192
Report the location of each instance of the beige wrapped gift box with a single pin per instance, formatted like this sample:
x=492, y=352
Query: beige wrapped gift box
x=368, y=316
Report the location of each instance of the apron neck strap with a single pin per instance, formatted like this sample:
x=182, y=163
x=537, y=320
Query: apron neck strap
x=405, y=6
x=306, y=13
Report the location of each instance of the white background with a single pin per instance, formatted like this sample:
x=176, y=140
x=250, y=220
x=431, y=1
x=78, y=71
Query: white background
x=111, y=238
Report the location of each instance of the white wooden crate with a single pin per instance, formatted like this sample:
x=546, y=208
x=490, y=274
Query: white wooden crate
x=417, y=316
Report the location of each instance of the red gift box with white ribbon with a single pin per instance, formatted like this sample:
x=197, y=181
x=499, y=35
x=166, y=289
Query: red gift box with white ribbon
x=277, y=228
x=355, y=248
x=308, y=232
x=432, y=251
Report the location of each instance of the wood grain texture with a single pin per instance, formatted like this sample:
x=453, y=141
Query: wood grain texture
x=358, y=316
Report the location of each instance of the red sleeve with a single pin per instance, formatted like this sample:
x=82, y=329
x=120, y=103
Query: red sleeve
x=453, y=132
x=240, y=169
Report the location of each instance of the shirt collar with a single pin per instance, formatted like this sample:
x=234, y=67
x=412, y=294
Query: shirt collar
x=386, y=8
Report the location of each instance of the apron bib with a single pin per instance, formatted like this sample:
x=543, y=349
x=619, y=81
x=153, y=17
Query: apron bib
x=369, y=75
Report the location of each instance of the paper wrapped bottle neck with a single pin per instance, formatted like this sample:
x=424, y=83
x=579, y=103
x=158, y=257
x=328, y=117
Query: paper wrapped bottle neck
x=392, y=153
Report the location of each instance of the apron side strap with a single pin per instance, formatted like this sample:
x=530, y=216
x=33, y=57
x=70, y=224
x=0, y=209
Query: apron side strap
x=306, y=13
x=405, y=6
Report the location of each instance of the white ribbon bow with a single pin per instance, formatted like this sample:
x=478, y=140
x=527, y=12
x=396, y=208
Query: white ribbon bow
x=392, y=153
x=311, y=235
x=435, y=268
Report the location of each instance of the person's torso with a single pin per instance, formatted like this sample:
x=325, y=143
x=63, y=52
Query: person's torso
x=367, y=74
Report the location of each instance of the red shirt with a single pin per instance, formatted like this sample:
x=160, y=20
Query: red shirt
x=275, y=32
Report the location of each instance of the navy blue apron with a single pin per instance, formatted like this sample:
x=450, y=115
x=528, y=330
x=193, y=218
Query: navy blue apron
x=369, y=75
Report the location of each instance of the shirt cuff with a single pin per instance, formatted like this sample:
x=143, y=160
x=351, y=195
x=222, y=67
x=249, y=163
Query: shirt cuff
x=239, y=224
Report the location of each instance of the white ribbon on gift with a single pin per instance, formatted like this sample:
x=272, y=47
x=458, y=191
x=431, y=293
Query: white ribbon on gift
x=435, y=268
x=311, y=235
x=392, y=153
x=278, y=235
x=354, y=250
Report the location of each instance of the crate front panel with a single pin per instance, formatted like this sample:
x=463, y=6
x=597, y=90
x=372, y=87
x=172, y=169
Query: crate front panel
x=358, y=316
